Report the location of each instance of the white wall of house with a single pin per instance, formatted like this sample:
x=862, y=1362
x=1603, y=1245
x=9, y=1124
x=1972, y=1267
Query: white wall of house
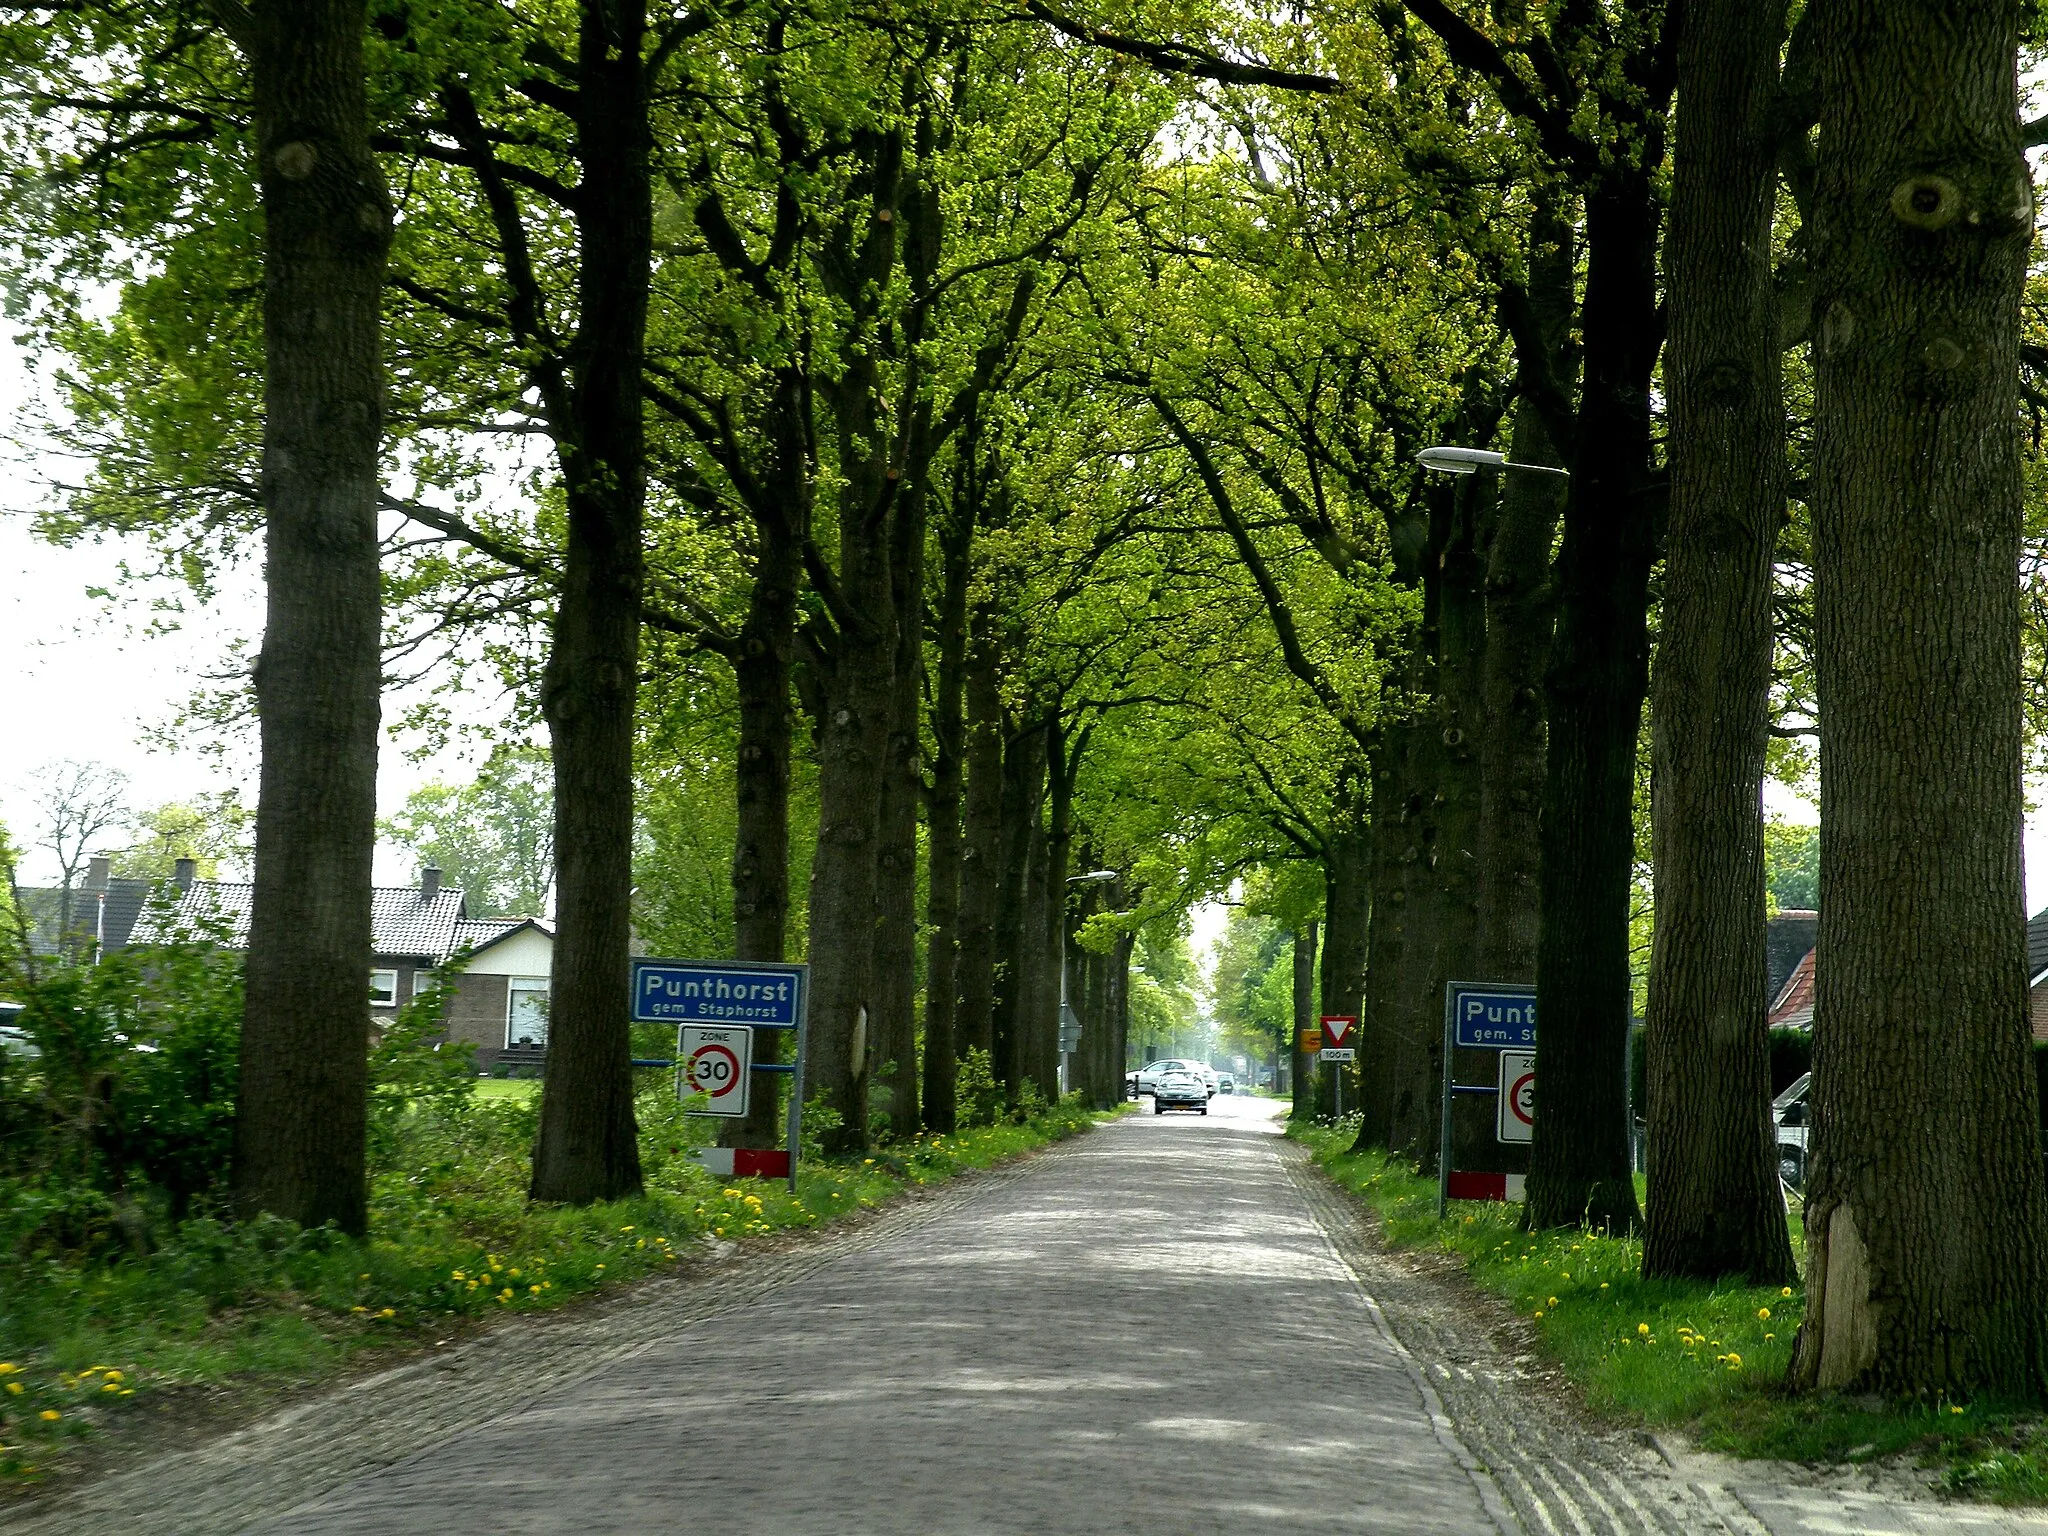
x=526, y=953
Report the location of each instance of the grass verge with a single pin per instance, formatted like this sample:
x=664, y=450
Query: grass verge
x=1707, y=1359
x=453, y=1243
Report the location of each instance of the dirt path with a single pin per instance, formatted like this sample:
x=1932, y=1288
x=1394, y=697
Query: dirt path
x=1171, y=1324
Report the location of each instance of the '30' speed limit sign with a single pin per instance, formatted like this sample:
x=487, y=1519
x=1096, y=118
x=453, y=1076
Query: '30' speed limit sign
x=717, y=1062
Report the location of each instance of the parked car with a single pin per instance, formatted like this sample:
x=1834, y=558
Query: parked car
x=13, y=1037
x=1180, y=1090
x=1789, y=1112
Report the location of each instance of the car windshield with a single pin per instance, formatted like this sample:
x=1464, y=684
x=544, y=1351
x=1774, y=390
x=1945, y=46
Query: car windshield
x=1793, y=1094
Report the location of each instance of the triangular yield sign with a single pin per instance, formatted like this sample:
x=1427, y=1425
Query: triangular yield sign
x=1337, y=1030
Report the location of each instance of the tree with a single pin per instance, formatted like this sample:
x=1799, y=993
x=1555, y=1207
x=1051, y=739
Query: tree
x=79, y=804
x=493, y=838
x=1927, y=1231
x=1792, y=865
x=1714, y=1202
x=210, y=830
x=300, y=1123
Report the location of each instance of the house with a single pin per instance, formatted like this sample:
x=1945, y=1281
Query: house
x=1792, y=1005
x=100, y=911
x=500, y=965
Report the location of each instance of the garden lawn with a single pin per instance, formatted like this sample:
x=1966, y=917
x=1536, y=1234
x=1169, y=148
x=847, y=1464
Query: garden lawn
x=453, y=1240
x=1707, y=1359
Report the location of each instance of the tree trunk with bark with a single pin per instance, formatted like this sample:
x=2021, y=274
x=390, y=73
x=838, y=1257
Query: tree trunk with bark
x=1117, y=1005
x=1715, y=1207
x=301, y=1128
x=1061, y=766
x=1926, y=1229
x=1347, y=898
x=1579, y=1165
x=588, y=1145
x=981, y=854
x=1303, y=1077
x=761, y=666
x=1518, y=614
x=945, y=845
x=1017, y=946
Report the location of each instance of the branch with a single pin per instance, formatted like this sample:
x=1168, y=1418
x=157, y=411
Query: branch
x=1180, y=59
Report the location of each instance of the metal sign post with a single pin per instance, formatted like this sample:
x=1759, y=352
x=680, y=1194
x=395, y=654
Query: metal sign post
x=1499, y=1017
x=1338, y=1031
x=731, y=998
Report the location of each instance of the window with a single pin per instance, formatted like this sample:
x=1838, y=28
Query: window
x=526, y=1012
x=383, y=989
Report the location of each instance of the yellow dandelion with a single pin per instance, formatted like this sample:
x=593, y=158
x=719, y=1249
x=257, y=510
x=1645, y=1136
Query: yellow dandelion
x=1955, y=1407
x=1734, y=1362
x=1539, y=1315
x=14, y=1387
x=533, y=1290
x=1769, y=1337
x=600, y=1268
x=1643, y=1330
x=1764, y=1312
x=1787, y=1291
x=359, y=1310
x=110, y=1386
x=1552, y=1301
x=8, y=1367
x=1603, y=1285
x=51, y=1415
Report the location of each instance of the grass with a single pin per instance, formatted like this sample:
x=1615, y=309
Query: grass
x=517, y=1088
x=84, y=1343
x=1706, y=1359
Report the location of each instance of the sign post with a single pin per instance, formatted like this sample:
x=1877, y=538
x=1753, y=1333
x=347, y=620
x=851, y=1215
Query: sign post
x=716, y=1005
x=1339, y=1031
x=1499, y=1019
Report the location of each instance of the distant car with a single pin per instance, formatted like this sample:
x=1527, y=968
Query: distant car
x=1225, y=1083
x=1180, y=1090
x=1790, y=1112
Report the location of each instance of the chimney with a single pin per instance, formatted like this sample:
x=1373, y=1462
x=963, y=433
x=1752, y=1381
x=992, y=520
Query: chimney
x=430, y=882
x=184, y=873
x=97, y=871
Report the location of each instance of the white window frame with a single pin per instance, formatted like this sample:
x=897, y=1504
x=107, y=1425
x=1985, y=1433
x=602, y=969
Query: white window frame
x=514, y=986
x=390, y=1001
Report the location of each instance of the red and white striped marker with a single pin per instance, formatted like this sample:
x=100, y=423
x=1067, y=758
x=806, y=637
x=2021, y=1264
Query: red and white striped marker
x=763, y=1163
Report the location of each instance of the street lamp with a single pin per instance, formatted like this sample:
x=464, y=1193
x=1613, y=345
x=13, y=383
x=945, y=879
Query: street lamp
x=1467, y=461
x=1093, y=877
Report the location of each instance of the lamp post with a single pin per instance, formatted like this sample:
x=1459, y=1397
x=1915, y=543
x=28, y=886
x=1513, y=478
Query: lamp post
x=1093, y=877
x=1469, y=461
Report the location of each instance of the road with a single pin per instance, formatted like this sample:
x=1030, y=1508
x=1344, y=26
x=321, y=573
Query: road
x=1168, y=1325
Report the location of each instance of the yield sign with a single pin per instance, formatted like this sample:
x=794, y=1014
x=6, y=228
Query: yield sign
x=1338, y=1029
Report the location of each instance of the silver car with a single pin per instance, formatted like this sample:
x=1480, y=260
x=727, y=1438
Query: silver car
x=1180, y=1090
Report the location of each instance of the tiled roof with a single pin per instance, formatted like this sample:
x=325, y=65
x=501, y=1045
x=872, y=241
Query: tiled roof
x=104, y=915
x=1792, y=1008
x=402, y=924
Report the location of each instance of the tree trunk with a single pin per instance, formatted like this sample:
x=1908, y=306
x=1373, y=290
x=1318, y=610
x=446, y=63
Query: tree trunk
x=945, y=849
x=300, y=1127
x=1117, y=1005
x=1579, y=1167
x=760, y=860
x=1518, y=614
x=1303, y=1076
x=1925, y=1217
x=1017, y=948
x=1445, y=898
x=1715, y=1206
x=902, y=788
x=1347, y=897
x=981, y=855
x=588, y=1146
x=1061, y=765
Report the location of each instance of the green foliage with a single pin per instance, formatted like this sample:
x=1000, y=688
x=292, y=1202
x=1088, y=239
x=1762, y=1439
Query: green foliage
x=978, y=1095
x=214, y=831
x=129, y=1095
x=1792, y=865
x=414, y=1071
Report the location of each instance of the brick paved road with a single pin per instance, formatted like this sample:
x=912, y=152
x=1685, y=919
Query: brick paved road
x=1148, y=1331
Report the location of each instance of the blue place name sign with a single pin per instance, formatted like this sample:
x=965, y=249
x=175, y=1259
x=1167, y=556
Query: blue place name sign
x=719, y=992
x=1494, y=1018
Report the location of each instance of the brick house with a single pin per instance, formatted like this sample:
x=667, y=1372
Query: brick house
x=501, y=965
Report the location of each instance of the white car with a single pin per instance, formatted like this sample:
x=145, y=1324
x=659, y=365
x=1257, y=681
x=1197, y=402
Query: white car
x=1789, y=1110
x=1148, y=1077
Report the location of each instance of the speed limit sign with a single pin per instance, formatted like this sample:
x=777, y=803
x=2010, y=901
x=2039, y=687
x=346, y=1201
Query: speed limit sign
x=716, y=1062
x=1516, y=1119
